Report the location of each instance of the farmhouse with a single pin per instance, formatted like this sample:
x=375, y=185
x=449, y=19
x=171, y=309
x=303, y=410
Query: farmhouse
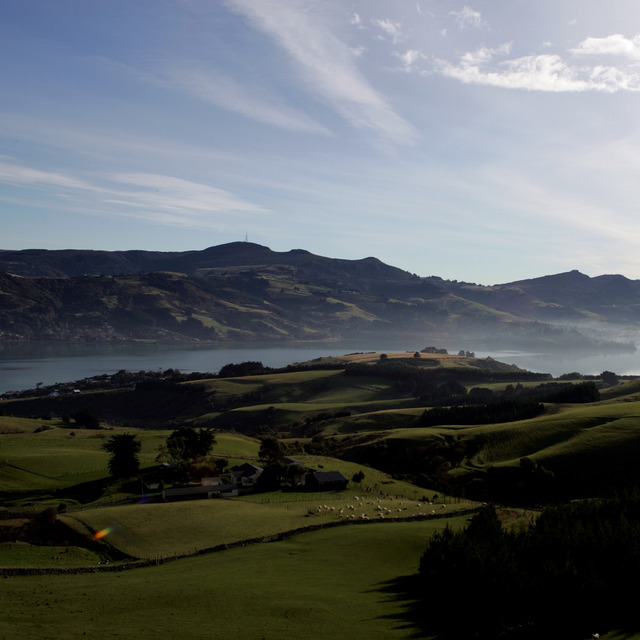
x=209, y=488
x=325, y=481
x=246, y=475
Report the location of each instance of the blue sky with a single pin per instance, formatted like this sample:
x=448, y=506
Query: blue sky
x=488, y=142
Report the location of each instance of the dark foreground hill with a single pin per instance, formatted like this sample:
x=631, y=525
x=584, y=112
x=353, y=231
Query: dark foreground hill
x=246, y=292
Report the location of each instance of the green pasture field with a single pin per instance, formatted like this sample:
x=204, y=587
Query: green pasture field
x=246, y=384
x=377, y=421
x=317, y=586
x=563, y=430
x=26, y=555
x=312, y=406
x=166, y=529
x=321, y=387
x=54, y=459
x=570, y=429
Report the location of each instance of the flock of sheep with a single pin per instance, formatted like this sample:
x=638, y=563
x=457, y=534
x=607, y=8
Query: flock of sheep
x=380, y=509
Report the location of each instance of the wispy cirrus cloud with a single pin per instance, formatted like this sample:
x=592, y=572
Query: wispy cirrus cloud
x=222, y=91
x=153, y=197
x=327, y=65
x=188, y=198
x=15, y=174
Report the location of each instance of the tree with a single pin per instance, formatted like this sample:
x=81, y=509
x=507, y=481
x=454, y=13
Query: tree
x=124, y=449
x=609, y=377
x=186, y=444
x=271, y=451
x=86, y=419
x=221, y=465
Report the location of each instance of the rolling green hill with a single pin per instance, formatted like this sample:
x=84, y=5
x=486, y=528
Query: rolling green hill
x=347, y=563
x=367, y=411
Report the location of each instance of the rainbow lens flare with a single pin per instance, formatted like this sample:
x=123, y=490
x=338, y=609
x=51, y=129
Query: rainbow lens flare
x=98, y=535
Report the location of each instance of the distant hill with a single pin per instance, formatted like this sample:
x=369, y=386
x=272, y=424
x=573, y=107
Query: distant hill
x=246, y=292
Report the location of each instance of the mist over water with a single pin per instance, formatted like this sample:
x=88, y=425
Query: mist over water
x=23, y=366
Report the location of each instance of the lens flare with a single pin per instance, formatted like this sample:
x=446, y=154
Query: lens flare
x=98, y=535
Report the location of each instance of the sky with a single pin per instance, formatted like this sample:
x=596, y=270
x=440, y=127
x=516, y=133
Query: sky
x=486, y=142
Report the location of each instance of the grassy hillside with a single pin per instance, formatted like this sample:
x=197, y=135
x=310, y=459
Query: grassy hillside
x=315, y=585
x=59, y=457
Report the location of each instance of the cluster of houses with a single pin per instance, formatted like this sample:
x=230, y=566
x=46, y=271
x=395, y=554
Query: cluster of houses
x=244, y=479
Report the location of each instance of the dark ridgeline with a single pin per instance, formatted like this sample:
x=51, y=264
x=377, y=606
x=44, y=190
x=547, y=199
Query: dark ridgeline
x=243, y=292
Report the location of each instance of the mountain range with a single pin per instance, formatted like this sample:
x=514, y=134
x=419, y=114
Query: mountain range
x=243, y=291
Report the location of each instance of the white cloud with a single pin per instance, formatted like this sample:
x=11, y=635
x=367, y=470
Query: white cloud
x=409, y=58
x=545, y=72
x=392, y=29
x=467, y=17
x=483, y=55
x=615, y=44
x=327, y=65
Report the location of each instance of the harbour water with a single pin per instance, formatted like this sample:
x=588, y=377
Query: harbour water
x=23, y=366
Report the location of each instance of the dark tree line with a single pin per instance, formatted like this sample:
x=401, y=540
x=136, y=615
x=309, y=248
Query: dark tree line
x=498, y=411
x=249, y=368
x=569, y=575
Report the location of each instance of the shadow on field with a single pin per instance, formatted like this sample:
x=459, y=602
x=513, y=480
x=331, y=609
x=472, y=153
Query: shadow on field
x=414, y=616
x=403, y=590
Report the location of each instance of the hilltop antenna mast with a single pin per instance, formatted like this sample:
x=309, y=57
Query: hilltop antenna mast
x=246, y=237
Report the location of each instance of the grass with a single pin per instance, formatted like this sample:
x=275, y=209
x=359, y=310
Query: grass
x=25, y=555
x=321, y=585
x=55, y=459
x=574, y=429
